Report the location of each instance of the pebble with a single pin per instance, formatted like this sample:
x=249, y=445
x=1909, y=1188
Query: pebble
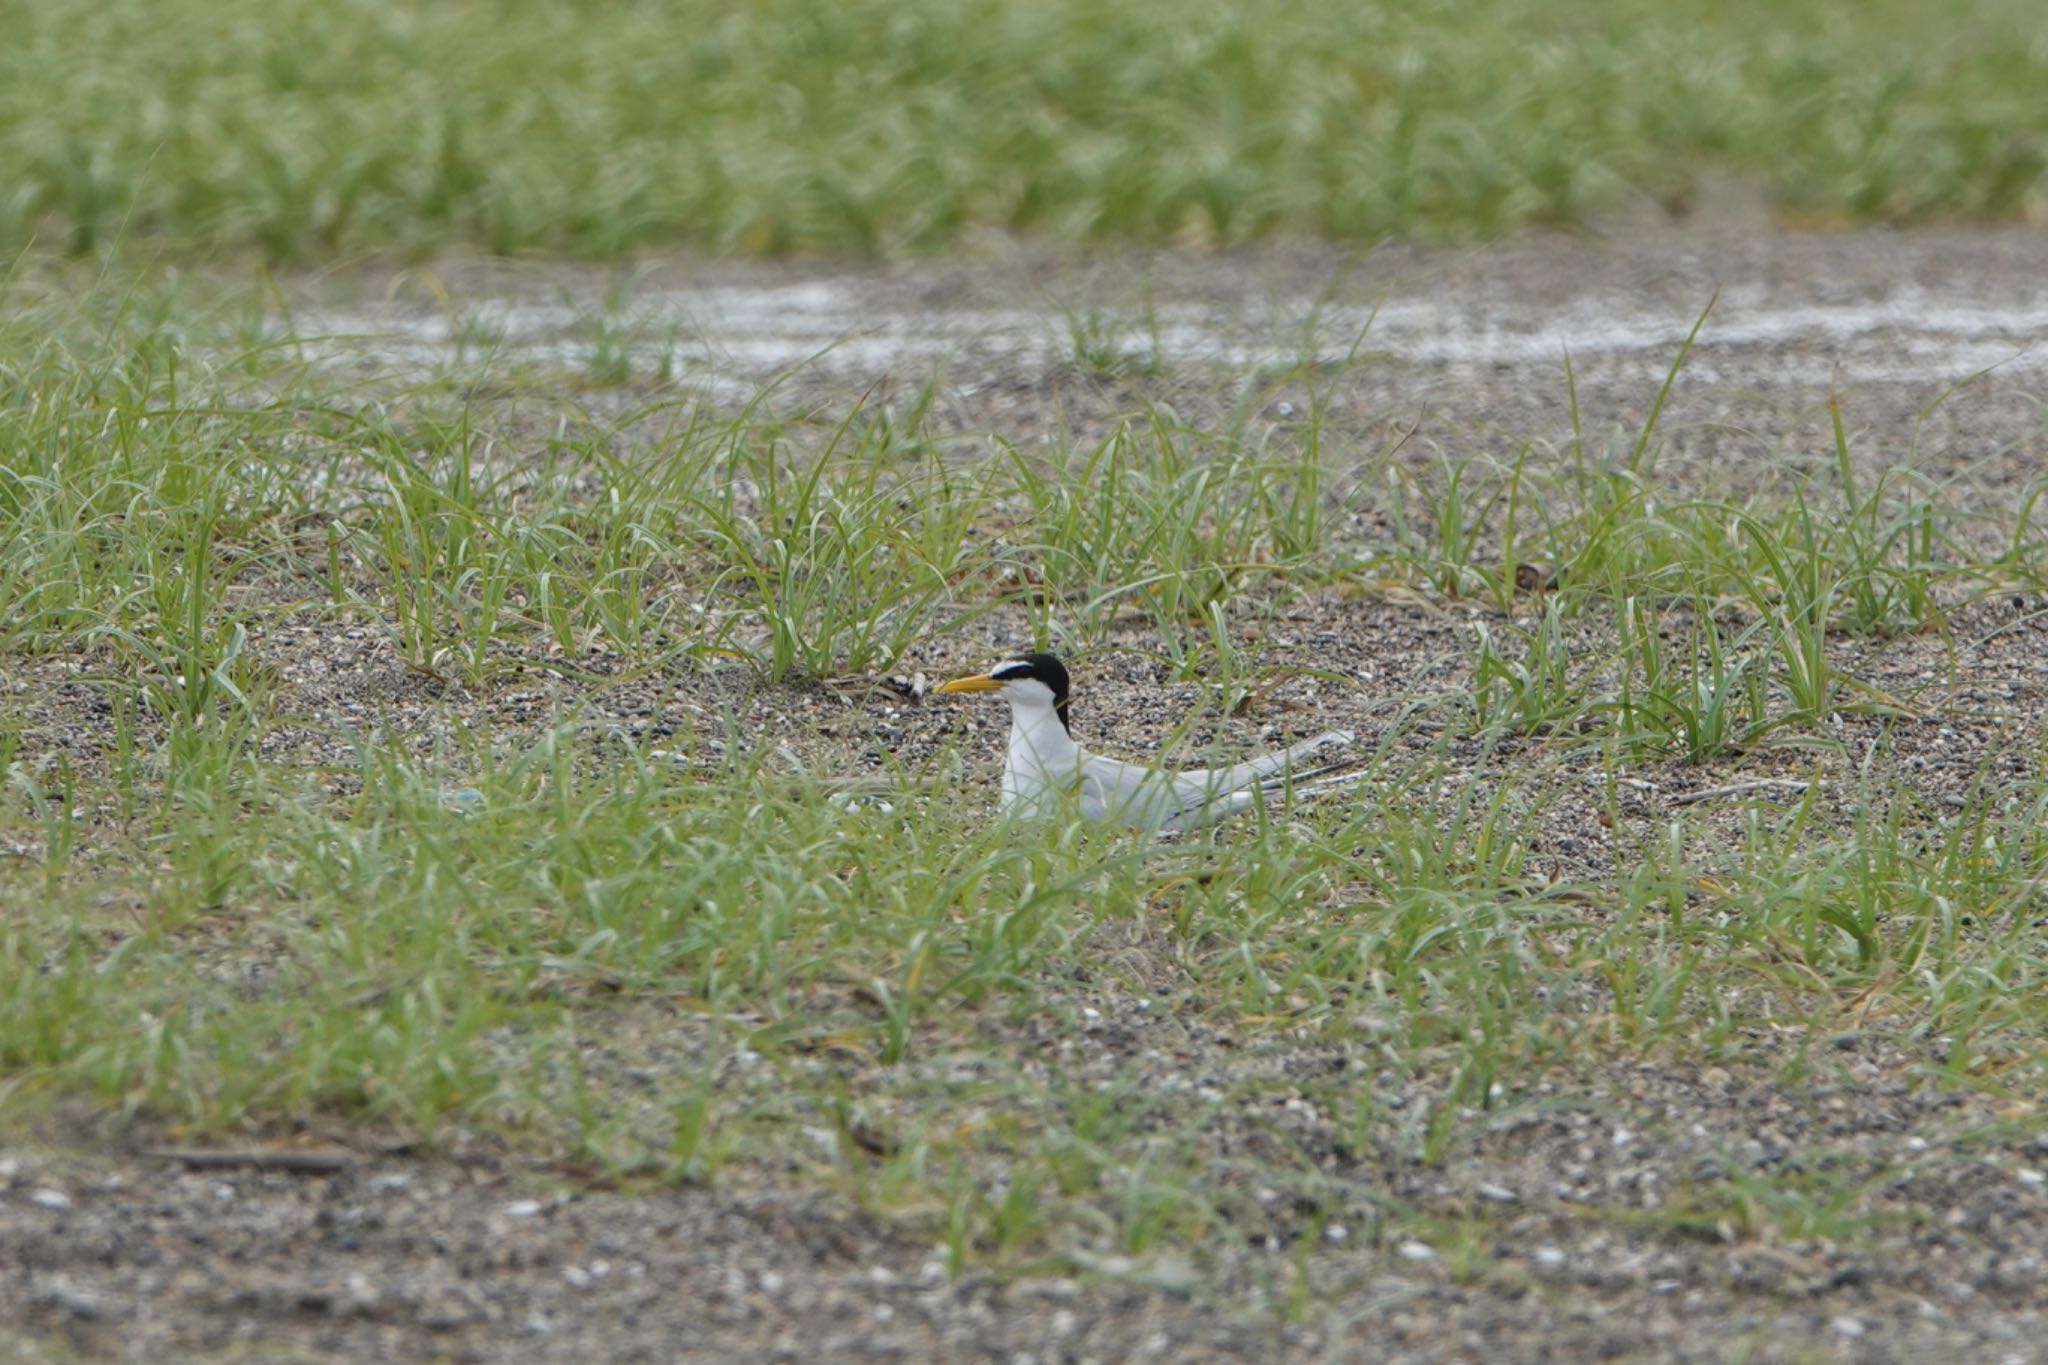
x=50, y=1199
x=79, y=1303
x=522, y=1208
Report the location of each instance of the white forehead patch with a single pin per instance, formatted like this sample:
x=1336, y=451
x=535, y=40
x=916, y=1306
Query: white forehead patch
x=1011, y=670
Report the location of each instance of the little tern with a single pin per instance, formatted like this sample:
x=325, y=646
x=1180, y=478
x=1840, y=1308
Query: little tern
x=1045, y=765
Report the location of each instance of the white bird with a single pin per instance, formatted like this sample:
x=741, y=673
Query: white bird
x=1045, y=765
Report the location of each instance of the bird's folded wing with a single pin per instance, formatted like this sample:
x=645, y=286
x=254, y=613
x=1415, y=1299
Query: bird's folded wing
x=1136, y=794
x=1127, y=792
x=1218, y=780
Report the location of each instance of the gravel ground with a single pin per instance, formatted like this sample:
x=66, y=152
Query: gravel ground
x=482, y=1254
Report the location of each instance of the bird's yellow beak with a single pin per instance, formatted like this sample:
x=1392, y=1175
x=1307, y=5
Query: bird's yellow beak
x=980, y=682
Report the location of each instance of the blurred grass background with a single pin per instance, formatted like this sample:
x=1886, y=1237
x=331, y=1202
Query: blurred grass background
x=306, y=128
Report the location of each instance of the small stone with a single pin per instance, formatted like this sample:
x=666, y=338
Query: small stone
x=1417, y=1251
x=1498, y=1194
x=522, y=1208
x=50, y=1199
x=82, y=1305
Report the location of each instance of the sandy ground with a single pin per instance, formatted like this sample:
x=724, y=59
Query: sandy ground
x=1934, y=343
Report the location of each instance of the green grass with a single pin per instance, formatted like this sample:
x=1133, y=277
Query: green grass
x=303, y=129
x=227, y=907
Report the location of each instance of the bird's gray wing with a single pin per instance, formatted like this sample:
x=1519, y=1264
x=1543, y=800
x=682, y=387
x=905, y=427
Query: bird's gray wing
x=1261, y=767
x=1134, y=794
x=1128, y=793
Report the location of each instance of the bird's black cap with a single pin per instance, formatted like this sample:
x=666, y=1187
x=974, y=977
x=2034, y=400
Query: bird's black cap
x=1047, y=669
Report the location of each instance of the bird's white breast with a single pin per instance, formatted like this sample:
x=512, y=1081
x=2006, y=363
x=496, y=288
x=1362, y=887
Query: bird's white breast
x=1043, y=762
